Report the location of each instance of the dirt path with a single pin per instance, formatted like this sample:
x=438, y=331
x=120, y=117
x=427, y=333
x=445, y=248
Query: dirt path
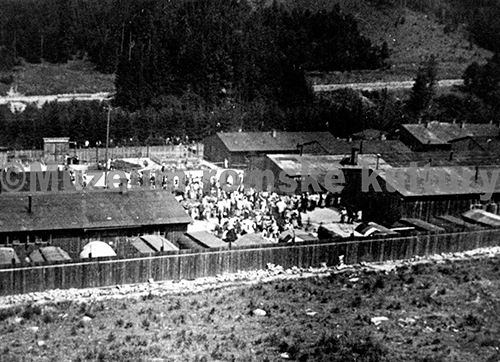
x=41, y=100
x=382, y=85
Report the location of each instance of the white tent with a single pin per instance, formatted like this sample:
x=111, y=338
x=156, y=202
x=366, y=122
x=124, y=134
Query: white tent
x=97, y=249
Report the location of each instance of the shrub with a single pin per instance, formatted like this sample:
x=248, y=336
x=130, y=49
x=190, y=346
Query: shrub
x=31, y=311
x=356, y=302
x=47, y=318
x=7, y=313
x=359, y=347
x=7, y=79
x=111, y=337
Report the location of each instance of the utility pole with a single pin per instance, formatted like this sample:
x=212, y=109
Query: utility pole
x=107, y=146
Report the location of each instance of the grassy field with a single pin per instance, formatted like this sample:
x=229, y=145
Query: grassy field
x=435, y=312
x=45, y=79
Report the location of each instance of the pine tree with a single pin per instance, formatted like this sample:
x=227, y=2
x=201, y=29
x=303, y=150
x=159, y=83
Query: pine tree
x=424, y=87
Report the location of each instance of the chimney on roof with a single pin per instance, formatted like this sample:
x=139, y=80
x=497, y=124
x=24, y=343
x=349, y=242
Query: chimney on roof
x=462, y=125
x=488, y=142
x=354, y=156
x=273, y=133
x=378, y=160
x=123, y=186
x=30, y=202
x=426, y=124
x=454, y=121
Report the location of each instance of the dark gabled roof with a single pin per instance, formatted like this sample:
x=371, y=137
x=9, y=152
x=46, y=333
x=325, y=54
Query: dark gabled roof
x=206, y=239
x=423, y=225
x=443, y=132
x=152, y=244
x=441, y=181
x=369, y=134
x=453, y=224
x=489, y=143
x=251, y=239
x=442, y=158
x=482, y=217
x=89, y=210
x=30, y=181
x=344, y=147
x=48, y=253
x=266, y=142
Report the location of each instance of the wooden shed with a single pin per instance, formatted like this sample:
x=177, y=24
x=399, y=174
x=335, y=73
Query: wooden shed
x=56, y=149
x=387, y=195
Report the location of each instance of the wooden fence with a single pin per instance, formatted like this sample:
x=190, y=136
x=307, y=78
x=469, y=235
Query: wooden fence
x=92, y=155
x=187, y=264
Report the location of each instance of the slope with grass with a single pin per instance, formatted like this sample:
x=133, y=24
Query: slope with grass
x=411, y=37
x=444, y=311
x=76, y=76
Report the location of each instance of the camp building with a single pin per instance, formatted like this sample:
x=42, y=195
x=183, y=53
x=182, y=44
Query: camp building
x=70, y=219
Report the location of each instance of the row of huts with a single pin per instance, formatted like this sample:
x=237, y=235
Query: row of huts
x=442, y=168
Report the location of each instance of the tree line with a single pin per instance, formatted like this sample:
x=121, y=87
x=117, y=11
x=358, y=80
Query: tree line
x=192, y=68
x=343, y=113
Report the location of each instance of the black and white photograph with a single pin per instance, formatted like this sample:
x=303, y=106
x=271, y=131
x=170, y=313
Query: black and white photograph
x=249, y=180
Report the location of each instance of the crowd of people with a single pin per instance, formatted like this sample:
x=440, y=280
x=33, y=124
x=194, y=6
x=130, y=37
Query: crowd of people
x=245, y=210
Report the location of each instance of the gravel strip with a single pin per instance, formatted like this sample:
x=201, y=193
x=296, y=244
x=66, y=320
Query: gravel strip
x=242, y=278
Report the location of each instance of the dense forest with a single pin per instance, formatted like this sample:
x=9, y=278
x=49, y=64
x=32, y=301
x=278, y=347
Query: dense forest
x=194, y=67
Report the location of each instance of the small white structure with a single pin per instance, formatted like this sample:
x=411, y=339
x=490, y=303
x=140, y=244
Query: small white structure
x=97, y=249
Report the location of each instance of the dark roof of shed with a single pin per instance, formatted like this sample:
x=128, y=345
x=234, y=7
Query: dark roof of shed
x=265, y=142
x=482, y=217
x=369, y=134
x=441, y=181
x=442, y=158
x=344, y=147
x=444, y=132
x=48, y=253
x=251, y=239
x=489, y=143
x=421, y=224
x=186, y=242
x=453, y=224
x=206, y=239
x=156, y=242
x=89, y=210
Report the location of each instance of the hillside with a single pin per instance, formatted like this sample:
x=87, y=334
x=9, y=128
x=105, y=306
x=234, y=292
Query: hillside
x=440, y=311
x=45, y=79
x=411, y=36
